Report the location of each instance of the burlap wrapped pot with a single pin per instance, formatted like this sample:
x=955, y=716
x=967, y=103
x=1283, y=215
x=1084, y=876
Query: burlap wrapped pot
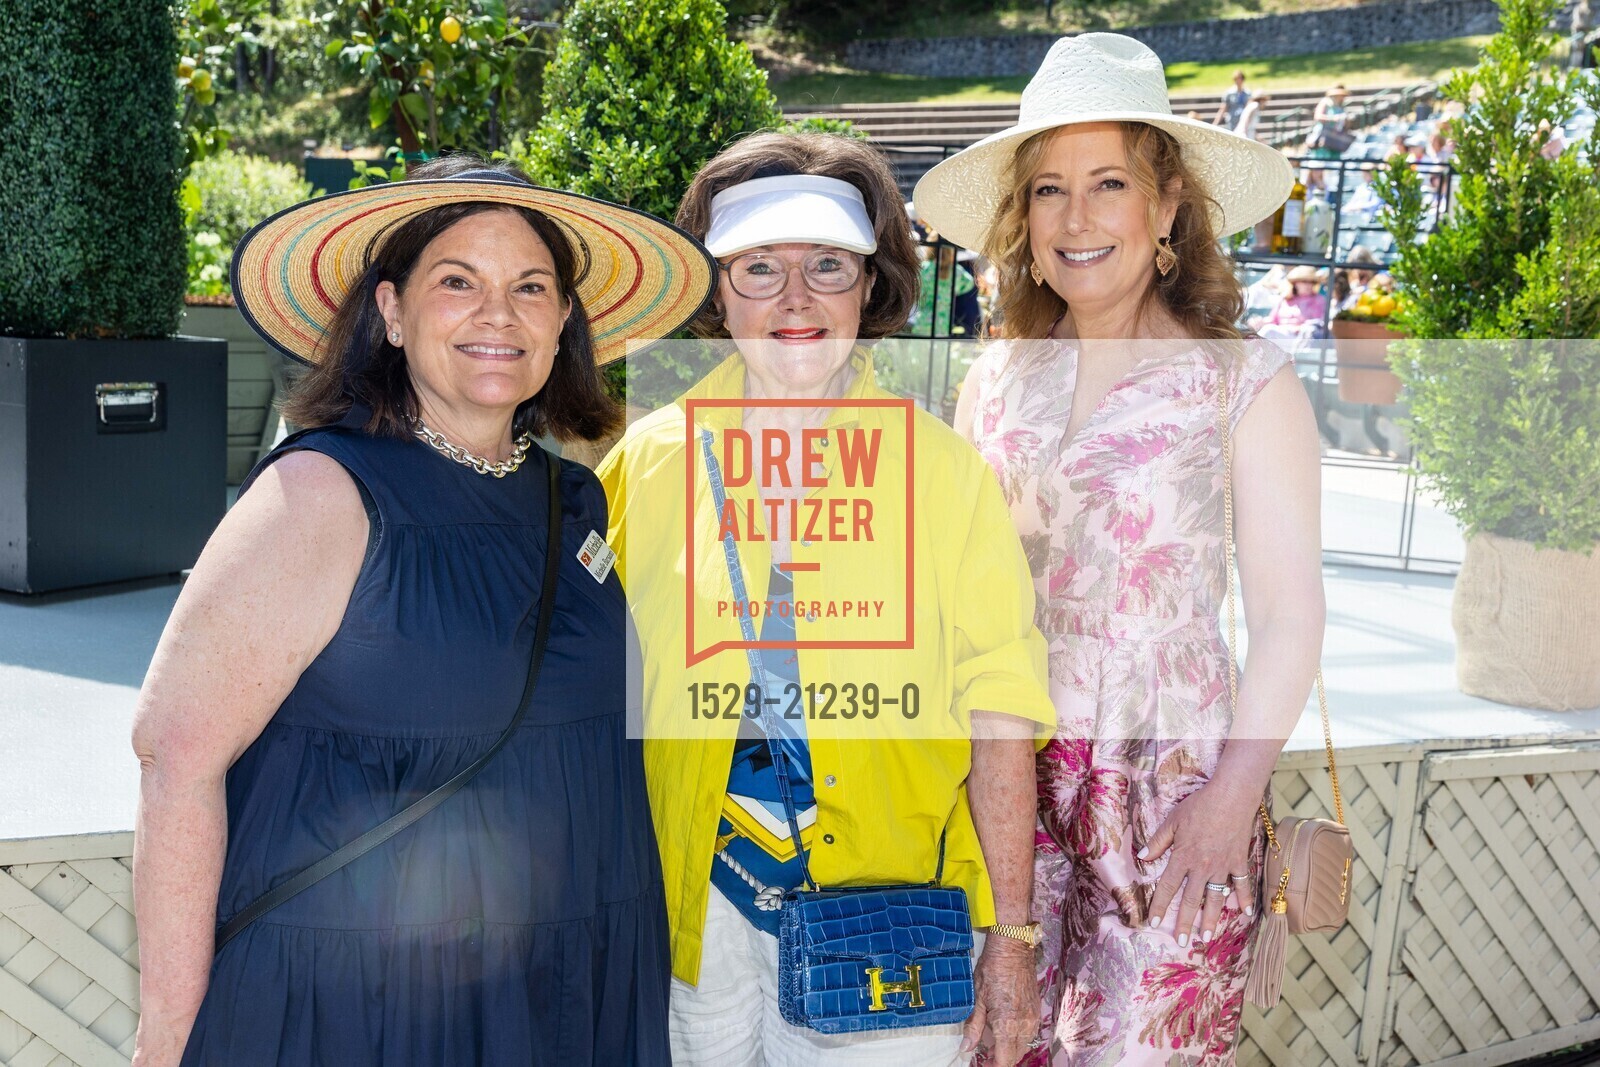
x=1527, y=624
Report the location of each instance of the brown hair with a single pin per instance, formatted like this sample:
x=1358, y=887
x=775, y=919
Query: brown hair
x=768, y=155
x=1201, y=291
x=357, y=362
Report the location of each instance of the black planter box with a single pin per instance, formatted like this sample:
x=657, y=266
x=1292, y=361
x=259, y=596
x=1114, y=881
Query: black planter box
x=113, y=458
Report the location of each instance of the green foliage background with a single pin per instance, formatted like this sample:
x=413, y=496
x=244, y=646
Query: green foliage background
x=640, y=93
x=90, y=154
x=224, y=195
x=1507, y=426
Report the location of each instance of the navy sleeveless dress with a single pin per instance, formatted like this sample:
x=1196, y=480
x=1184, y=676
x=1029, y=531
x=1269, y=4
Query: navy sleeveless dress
x=522, y=922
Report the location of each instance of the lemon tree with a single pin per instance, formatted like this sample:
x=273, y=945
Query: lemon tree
x=235, y=57
x=208, y=39
x=440, y=71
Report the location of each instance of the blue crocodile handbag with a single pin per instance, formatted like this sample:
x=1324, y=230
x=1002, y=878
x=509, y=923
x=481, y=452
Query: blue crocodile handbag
x=875, y=958
x=863, y=957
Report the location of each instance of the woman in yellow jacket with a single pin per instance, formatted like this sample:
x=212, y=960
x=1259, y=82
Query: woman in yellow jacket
x=870, y=548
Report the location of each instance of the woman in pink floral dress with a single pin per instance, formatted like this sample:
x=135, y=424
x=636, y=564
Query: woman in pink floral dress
x=1103, y=415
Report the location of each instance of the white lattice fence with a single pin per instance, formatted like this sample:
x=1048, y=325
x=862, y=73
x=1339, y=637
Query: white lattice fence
x=69, y=980
x=1474, y=933
x=1500, y=950
x=1333, y=996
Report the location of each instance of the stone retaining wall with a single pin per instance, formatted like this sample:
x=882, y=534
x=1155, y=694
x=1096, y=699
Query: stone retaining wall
x=1329, y=30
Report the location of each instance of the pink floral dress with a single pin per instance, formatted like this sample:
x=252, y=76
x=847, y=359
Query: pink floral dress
x=1123, y=527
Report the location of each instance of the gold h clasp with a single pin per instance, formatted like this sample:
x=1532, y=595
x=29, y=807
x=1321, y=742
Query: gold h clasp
x=912, y=985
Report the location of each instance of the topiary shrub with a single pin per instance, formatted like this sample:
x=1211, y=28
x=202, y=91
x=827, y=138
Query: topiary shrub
x=640, y=94
x=90, y=156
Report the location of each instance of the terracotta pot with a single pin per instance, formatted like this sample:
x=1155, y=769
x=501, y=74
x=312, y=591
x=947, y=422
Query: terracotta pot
x=1362, y=352
x=1527, y=624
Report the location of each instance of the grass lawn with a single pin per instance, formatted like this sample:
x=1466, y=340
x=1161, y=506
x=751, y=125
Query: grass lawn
x=1391, y=65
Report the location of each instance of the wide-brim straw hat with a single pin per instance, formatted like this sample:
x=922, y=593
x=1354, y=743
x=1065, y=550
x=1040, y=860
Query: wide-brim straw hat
x=1102, y=77
x=639, y=278
x=1304, y=273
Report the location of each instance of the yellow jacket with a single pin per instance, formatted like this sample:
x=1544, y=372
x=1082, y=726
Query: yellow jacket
x=885, y=788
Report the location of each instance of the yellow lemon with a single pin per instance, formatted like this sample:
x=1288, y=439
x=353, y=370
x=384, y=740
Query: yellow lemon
x=200, y=80
x=1383, y=307
x=205, y=97
x=185, y=68
x=425, y=71
x=450, y=29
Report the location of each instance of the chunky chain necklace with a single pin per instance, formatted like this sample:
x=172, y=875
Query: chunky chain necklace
x=438, y=443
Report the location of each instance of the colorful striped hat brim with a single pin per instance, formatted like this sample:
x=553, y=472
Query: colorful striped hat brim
x=639, y=278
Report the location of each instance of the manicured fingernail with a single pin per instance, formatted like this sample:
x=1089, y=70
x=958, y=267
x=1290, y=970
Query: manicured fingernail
x=1205, y=936
x=1144, y=853
x=1155, y=921
x=1249, y=909
x=1183, y=940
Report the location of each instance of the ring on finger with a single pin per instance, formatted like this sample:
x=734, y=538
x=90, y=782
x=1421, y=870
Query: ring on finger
x=1216, y=887
x=1236, y=878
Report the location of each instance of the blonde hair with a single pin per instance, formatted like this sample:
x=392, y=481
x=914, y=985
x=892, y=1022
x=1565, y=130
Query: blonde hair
x=1201, y=291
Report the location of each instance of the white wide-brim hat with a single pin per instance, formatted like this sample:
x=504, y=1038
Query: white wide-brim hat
x=1103, y=77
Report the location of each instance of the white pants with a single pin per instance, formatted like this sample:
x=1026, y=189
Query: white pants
x=731, y=1018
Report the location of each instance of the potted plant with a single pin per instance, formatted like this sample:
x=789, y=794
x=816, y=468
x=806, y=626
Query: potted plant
x=1502, y=302
x=1361, y=337
x=111, y=427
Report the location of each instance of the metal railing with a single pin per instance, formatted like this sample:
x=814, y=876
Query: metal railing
x=1380, y=513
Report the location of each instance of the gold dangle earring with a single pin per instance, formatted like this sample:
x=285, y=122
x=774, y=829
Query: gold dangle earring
x=1166, y=258
x=1038, y=275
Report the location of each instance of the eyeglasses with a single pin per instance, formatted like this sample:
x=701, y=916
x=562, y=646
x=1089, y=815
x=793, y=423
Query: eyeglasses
x=757, y=275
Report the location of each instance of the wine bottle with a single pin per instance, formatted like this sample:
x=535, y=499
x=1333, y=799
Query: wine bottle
x=1286, y=240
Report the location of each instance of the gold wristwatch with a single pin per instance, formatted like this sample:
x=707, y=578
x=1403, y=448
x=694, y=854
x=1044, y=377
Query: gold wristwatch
x=1029, y=935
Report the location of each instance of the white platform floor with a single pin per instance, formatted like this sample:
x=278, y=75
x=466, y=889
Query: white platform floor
x=71, y=666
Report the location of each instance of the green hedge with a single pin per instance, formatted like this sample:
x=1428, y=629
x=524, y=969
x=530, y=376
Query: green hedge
x=226, y=194
x=91, y=231
x=640, y=94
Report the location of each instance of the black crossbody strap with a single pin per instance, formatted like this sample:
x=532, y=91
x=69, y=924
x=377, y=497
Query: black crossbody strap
x=370, y=840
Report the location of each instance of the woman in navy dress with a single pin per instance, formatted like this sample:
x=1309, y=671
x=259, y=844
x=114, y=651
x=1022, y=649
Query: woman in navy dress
x=359, y=630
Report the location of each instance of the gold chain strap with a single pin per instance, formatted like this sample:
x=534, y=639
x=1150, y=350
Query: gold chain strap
x=1233, y=625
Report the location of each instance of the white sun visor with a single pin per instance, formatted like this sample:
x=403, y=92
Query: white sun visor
x=790, y=208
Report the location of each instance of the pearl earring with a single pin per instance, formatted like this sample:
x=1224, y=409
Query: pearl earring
x=394, y=337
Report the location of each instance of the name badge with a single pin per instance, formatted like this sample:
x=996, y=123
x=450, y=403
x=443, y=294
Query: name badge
x=596, y=556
